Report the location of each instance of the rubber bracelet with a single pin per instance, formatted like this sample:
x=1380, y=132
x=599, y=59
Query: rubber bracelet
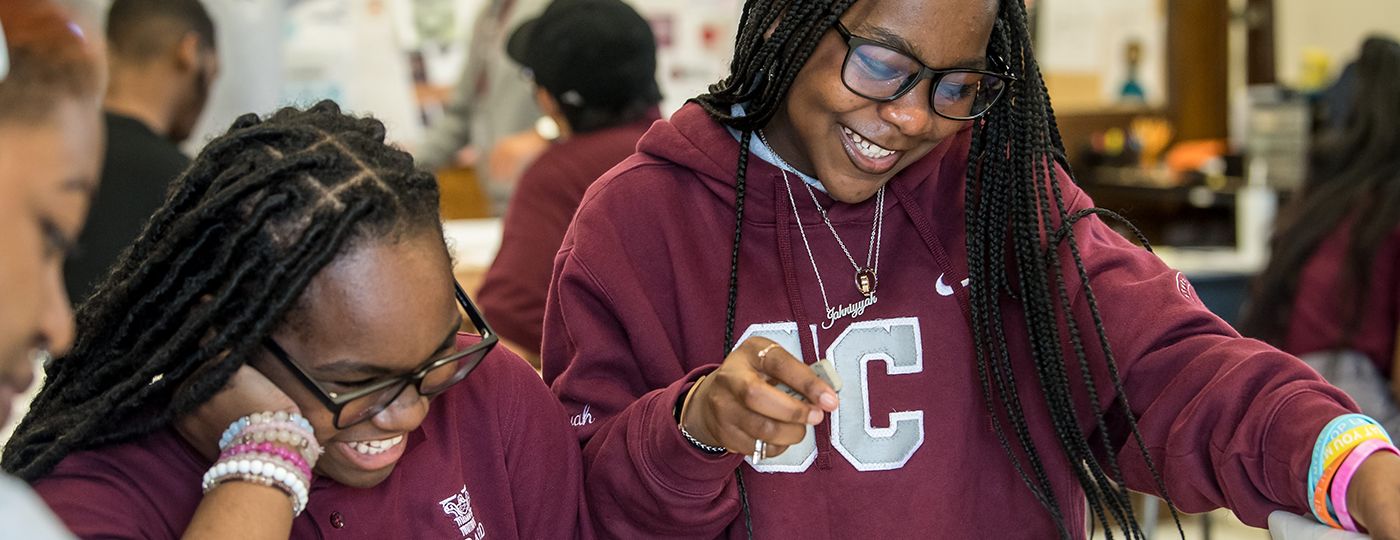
x=1345, y=473
x=1338, y=447
x=1334, y=429
x=1319, y=496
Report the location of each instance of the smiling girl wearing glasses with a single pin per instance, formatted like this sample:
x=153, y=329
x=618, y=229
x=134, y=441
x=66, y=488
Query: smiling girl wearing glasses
x=277, y=335
x=877, y=185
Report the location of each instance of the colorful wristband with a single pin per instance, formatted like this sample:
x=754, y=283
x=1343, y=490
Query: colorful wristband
x=1338, y=447
x=1319, y=496
x=1334, y=429
x=1345, y=473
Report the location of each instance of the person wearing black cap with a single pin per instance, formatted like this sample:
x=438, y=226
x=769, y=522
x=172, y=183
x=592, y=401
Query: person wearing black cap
x=594, y=66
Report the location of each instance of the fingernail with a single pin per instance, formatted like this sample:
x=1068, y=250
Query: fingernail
x=814, y=417
x=829, y=400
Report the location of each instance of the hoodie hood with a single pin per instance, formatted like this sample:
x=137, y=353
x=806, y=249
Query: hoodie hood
x=695, y=141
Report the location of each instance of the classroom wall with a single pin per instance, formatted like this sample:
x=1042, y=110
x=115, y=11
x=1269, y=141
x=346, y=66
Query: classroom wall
x=1336, y=26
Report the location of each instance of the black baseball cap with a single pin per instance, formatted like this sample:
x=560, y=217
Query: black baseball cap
x=589, y=53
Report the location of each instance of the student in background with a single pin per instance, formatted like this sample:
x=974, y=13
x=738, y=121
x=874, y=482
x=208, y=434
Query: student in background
x=491, y=102
x=50, y=153
x=1331, y=291
x=163, y=63
x=594, y=64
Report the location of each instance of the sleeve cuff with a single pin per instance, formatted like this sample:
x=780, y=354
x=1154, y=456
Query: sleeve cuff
x=669, y=457
x=1291, y=437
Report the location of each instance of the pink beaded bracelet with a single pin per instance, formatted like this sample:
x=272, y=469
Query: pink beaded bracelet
x=1347, y=470
x=293, y=458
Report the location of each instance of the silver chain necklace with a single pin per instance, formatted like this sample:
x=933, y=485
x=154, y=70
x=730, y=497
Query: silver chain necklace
x=865, y=277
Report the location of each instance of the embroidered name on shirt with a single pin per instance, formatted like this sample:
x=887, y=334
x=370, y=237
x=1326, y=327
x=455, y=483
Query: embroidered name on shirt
x=582, y=419
x=459, y=508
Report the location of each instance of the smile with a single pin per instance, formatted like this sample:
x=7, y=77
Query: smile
x=867, y=148
x=371, y=448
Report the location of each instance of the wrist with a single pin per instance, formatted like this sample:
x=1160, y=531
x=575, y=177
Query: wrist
x=684, y=405
x=1368, y=488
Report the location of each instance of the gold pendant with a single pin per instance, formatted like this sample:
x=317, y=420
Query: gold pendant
x=865, y=282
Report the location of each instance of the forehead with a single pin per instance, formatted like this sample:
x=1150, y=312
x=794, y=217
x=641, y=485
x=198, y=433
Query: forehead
x=937, y=32
x=382, y=302
x=57, y=155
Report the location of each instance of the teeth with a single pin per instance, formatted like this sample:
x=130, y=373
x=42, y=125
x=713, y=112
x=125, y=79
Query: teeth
x=376, y=447
x=867, y=148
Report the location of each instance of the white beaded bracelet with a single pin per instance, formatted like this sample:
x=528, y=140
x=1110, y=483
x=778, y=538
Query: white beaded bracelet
x=260, y=472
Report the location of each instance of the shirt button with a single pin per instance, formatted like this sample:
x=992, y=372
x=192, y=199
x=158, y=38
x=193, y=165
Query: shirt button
x=337, y=521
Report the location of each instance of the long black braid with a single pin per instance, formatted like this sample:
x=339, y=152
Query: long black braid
x=259, y=213
x=1009, y=203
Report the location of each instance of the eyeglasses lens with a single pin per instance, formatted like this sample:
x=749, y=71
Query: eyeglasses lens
x=882, y=73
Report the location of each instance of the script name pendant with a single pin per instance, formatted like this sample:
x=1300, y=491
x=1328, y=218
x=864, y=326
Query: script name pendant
x=852, y=310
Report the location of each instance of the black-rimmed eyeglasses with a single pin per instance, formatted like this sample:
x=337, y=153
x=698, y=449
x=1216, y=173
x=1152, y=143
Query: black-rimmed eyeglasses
x=435, y=376
x=875, y=71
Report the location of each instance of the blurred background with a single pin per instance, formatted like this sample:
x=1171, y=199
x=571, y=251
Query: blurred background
x=1192, y=118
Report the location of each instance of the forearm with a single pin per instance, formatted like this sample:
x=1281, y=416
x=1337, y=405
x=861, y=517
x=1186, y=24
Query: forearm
x=242, y=511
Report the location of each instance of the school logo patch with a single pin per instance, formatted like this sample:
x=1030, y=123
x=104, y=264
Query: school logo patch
x=1183, y=286
x=459, y=508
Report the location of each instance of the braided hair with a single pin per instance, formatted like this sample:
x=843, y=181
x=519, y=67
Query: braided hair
x=258, y=214
x=1007, y=202
x=1352, y=183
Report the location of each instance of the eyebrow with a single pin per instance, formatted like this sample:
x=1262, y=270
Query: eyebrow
x=898, y=42
x=356, y=367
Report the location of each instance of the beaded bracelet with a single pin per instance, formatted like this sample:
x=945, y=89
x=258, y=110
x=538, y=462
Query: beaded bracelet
x=291, y=457
x=1347, y=471
x=270, y=462
x=305, y=443
x=242, y=424
x=259, y=472
x=231, y=469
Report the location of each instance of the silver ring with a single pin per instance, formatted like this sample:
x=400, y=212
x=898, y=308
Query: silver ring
x=760, y=449
x=765, y=350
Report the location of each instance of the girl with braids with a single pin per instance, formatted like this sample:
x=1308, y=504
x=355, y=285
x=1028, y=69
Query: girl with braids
x=876, y=185
x=50, y=155
x=280, y=329
x=1332, y=282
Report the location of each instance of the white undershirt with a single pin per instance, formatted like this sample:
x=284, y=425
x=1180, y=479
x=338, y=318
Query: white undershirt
x=757, y=148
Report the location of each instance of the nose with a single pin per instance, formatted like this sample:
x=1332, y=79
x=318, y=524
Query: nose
x=405, y=413
x=913, y=112
x=56, y=317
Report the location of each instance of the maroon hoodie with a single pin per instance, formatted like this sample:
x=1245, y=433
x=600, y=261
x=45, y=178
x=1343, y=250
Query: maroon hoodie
x=637, y=312
x=1320, y=320
x=493, y=460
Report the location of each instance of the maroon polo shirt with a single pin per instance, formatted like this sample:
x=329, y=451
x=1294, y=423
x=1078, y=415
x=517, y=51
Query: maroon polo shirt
x=493, y=460
x=513, y=293
x=1318, y=324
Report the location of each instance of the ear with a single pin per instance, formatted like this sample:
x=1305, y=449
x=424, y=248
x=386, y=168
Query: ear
x=548, y=105
x=187, y=52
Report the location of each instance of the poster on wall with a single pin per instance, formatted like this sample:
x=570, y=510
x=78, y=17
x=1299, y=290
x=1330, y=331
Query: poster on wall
x=356, y=53
x=1103, y=53
x=695, y=40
